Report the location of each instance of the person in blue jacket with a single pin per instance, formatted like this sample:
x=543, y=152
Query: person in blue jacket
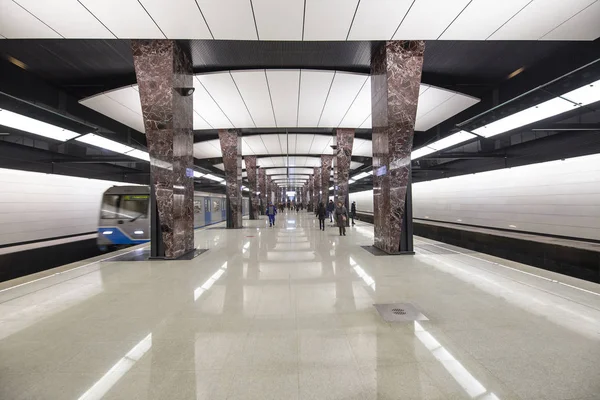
x=271, y=211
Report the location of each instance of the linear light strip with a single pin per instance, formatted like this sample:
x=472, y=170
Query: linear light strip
x=27, y=124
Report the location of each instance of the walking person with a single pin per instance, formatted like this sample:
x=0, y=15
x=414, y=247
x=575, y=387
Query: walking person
x=321, y=212
x=271, y=211
x=341, y=215
x=353, y=212
x=330, y=210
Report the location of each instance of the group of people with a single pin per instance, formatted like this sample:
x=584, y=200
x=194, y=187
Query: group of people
x=339, y=213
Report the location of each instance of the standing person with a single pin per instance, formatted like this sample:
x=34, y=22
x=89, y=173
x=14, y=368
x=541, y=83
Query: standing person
x=353, y=211
x=271, y=211
x=341, y=215
x=321, y=213
x=330, y=210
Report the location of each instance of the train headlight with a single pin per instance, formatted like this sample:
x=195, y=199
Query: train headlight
x=107, y=232
x=139, y=232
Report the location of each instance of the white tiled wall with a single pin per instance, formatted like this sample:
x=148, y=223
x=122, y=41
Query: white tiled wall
x=558, y=198
x=37, y=206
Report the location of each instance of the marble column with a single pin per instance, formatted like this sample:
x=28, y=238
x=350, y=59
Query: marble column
x=343, y=158
x=262, y=188
x=326, y=161
x=269, y=190
x=395, y=79
x=162, y=69
x=231, y=147
x=316, y=186
x=252, y=186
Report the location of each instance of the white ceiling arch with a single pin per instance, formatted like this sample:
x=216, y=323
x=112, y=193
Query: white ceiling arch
x=298, y=20
x=282, y=99
x=278, y=165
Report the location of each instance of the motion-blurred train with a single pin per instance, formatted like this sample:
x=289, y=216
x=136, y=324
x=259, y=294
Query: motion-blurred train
x=125, y=214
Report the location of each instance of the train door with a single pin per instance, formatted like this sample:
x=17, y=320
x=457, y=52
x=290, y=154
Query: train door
x=207, y=217
x=223, y=209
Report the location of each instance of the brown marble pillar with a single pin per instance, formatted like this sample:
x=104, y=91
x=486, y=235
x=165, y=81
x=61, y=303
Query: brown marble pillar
x=252, y=186
x=231, y=147
x=345, y=140
x=262, y=188
x=395, y=78
x=316, y=186
x=162, y=68
x=326, y=161
x=269, y=190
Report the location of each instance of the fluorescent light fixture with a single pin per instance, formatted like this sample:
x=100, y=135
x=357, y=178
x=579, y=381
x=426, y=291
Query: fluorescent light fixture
x=138, y=232
x=585, y=95
x=198, y=174
x=452, y=140
x=362, y=175
x=331, y=188
x=422, y=152
x=350, y=181
x=213, y=178
x=142, y=155
x=104, y=143
x=107, y=232
x=223, y=183
x=179, y=187
x=26, y=124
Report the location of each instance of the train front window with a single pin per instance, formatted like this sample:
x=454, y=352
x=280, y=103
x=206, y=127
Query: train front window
x=129, y=206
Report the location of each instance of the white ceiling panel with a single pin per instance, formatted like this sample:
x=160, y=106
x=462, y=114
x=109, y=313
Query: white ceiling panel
x=378, y=19
x=222, y=89
x=427, y=19
x=255, y=144
x=255, y=92
x=229, y=19
x=304, y=171
x=16, y=22
x=320, y=145
x=208, y=109
x=430, y=99
x=437, y=105
x=283, y=142
x=367, y=123
x=292, y=138
x=208, y=149
x=314, y=86
x=272, y=144
x=343, y=91
x=275, y=171
x=178, y=19
x=67, y=17
x=122, y=105
x=360, y=108
x=284, y=86
x=583, y=26
x=538, y=18
x=279, y=20
x=362, y=147
x=124, y=18
x=303, y=143
x=128, y=97
x=482, y=18
x=200, y=123
x=328, y=19
x=354, y=164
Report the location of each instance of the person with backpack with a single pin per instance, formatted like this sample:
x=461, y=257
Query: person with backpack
x=271, y=211
x=321, y=213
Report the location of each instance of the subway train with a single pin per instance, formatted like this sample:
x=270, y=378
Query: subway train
x=125, y=210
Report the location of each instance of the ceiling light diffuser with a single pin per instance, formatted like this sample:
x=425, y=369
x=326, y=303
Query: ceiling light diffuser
x=26, y=124
x=142, y=155
x=214, y=178
x=104, y=143
x=452, y=140
x=585, y=95
x=422, y=152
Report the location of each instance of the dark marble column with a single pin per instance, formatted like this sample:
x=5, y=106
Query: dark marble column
x=269, y=190
x=262, y=188
x=345, y=140
x=162, y=68
x=231, y=147
x=335, y=180
x=326, y=161
x=252, y=186
x=395, y=78
x=316, y=186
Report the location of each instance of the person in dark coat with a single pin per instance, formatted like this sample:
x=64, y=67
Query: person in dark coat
x=341, y=215
x=321, y=213
x=353, y=211
x=330, y=210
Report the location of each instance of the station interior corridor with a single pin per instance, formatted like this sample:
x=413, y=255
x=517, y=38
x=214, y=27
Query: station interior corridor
x=287, y=313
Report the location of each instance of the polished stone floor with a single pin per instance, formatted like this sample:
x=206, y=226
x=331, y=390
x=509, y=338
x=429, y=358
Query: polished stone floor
x=287, y=313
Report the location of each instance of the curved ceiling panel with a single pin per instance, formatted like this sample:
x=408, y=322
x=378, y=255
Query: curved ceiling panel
x=296, y=20
x=282, y=99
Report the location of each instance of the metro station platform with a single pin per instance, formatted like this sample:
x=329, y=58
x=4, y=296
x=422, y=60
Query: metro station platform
x=287, y=313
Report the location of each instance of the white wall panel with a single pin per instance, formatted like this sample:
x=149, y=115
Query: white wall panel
x=16, y=22
x=255, y=92
x=328, y=19
x=125, y=18
x=279, y=20
x=427, y=19
x=378, y=19
x=538, y=18
x=284, y=86
x=67, y=17
x=222, y=89
x=583, y=26
x=35, y=206
x=343, y=91
x=229, y=19
x=482, y=18
x=178, y=19
x=314, y=86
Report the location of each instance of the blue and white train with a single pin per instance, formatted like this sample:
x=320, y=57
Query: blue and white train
x=125, y=214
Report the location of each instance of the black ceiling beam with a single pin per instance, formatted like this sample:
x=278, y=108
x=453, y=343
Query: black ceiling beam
x=567, y=127
x=466, y=156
